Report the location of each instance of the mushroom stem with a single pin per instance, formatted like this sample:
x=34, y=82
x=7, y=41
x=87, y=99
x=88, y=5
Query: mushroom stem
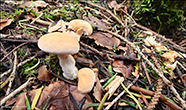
x=67, y=64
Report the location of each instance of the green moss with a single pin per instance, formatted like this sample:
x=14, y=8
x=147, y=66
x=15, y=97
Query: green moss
x=159, y=14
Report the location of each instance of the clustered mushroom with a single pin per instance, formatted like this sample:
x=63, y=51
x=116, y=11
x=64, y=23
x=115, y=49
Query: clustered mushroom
x=169, y=59
x=86, y=79
x=65, y=44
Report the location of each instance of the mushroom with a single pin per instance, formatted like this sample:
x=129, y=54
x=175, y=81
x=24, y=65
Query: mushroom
x=81, y=27
x=63, y=45
x=150, y=41
x=170, y=56
x=86, y=79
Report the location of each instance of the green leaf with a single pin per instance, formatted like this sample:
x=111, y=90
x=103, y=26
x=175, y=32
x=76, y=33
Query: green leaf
x=112, y=78
x=27, y=102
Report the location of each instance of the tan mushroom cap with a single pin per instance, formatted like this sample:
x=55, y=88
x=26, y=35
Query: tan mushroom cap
x=58, y=43
x=81, y=26
x=86, y=79
x=170, y=56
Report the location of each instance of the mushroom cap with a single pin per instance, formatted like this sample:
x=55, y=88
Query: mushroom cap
x=80, y=26
x=58, y=43
x=86, y=79
x=150, y=41
x=170, y=56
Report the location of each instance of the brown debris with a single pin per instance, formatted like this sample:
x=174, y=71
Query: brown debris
x=59, y=98
x=96, y=22
x=44, y=74
x=104, y=40
x=5, y=23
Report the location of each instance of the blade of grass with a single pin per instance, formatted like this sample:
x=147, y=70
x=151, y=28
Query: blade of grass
x=138, y=95
x=103, y=101
x=110, y=69
x=36, y=97
x=129, y=103
x=5, y=82
x=112, y=78
x=27, y=102
x=31, y=68
x=91, y=105
x=131, y=96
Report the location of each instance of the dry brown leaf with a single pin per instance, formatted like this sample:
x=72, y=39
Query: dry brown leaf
x=120, y=67
x=11, y=101
x=113, y=4
x=3, y=20
x=79, y=96
x=97, y=92
x=169, y=65
x=35, y=3
x=103, y=40
x=150, y=41
x=58, y=95
x=96, y=22
x=44, y=74
x=116, y=83
x=5, y=23
x=126, y=49
x=122, y=48
x=117, y=65
x=147, y=50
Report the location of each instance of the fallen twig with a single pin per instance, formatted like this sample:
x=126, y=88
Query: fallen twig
x=156, y=96
x=19, y=40
x=140, y=26
x=12, y=94
x=13, y=73
x=121, y=94
x=147, y=74
x=12, y=51
x=162, y=98
x=122, y=57
x=104, y=9
x=167, y=82
x=20, y=64
x=177, y=47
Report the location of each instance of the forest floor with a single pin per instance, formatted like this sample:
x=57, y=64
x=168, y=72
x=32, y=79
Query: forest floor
x=135, y=67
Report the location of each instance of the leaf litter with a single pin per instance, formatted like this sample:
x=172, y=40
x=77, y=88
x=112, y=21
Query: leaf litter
x=36, y=18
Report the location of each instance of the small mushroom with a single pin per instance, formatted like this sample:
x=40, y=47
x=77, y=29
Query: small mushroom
x=81, y=27
x=150, y=41
x=86, y=79
x=170, y=56
x=63, y=45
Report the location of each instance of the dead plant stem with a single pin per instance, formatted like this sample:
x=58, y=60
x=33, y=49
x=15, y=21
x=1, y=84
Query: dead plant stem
x=12, y=51
x=104, y=9
x=12, y=94
x=13, y=73
x=121, y=94
x=167, y=82
x=20, y=64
